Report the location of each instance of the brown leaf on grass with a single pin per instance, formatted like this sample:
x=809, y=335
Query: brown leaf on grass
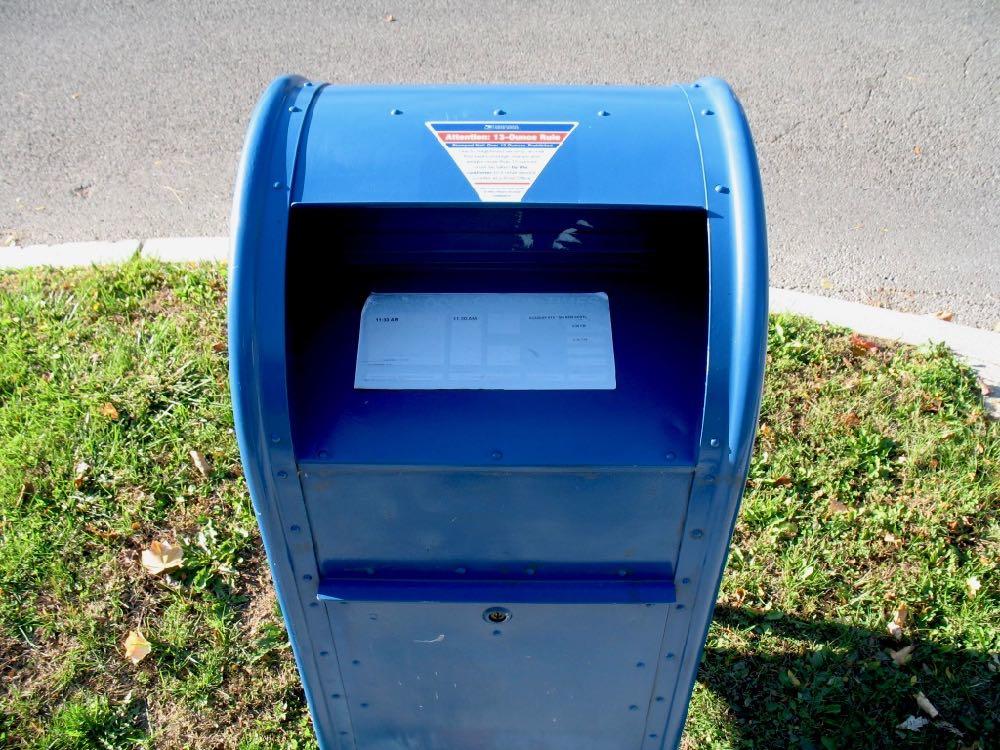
x=201, y=464
x=945, y=315
x=109, y=411
x=137, y=647
x=925, y=705
x=861, y=345
x=837, y=507
x=850, y=419
x=972, y=586
x=219, y=346
x=783, y=481
x=162, y=556
x=903, y=656
x=102, y=533
x=80, y=473
x=930, y=405
x=898, y=622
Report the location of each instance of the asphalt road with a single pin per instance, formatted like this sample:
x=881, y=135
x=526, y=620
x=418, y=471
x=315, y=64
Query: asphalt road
x=877, y=123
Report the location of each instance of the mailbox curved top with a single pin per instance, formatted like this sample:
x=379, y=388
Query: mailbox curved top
x=625, y=149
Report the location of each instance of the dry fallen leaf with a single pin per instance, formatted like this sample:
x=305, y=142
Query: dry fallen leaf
x=102, y=533
x=108, y=410
x=972, y=586
x=201, y=464
x=219, y=346
x=914, y=723
x=925, y=705
x=850, y=419
x=898, y=622
x=162, y=556
x=903, y=656
x=945, y=315
x=80, y=473
x=861, y=345
x=782, y=481
x=137, y=647
x=930, y=405
x=838, y=507
x=891, y=538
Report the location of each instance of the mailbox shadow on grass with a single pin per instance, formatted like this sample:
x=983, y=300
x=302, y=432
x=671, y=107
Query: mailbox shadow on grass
x=794, y=683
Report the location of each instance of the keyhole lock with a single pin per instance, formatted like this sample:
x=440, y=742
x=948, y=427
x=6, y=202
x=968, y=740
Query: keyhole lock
x=496, y=615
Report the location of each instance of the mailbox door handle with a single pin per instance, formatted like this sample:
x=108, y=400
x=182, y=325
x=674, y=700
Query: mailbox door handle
x=490, y=591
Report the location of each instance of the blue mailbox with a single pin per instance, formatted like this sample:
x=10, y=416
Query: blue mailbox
x=497, y=357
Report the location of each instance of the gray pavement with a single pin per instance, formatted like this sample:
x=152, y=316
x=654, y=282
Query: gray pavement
x=877, y=123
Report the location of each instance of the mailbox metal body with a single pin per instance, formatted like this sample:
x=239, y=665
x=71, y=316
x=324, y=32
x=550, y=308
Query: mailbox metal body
x=515, y=569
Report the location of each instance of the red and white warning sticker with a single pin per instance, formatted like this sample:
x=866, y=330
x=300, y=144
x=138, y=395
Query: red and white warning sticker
x=501, y=160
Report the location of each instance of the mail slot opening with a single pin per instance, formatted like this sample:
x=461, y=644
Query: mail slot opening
x=448, y=331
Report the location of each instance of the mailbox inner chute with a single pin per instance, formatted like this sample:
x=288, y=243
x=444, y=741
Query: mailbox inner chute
x=629, y=392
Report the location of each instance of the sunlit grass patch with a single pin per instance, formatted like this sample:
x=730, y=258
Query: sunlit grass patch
x=875, y=483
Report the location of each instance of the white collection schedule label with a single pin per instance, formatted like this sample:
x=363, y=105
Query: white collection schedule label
x=527, y=342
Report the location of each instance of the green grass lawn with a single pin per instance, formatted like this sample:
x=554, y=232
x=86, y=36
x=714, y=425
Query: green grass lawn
x=875, y=484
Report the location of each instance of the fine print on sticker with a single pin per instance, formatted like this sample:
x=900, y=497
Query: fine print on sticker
x=501, y=160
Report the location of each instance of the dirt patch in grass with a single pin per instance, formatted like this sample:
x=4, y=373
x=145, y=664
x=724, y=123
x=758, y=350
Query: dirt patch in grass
x=875, y=483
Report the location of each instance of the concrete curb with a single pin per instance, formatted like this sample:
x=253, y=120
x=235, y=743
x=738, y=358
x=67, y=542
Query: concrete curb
x=68, y=254
x=980, y=348
x=187, y=249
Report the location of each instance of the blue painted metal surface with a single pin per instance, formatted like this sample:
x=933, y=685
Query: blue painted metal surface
x=498, y=569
